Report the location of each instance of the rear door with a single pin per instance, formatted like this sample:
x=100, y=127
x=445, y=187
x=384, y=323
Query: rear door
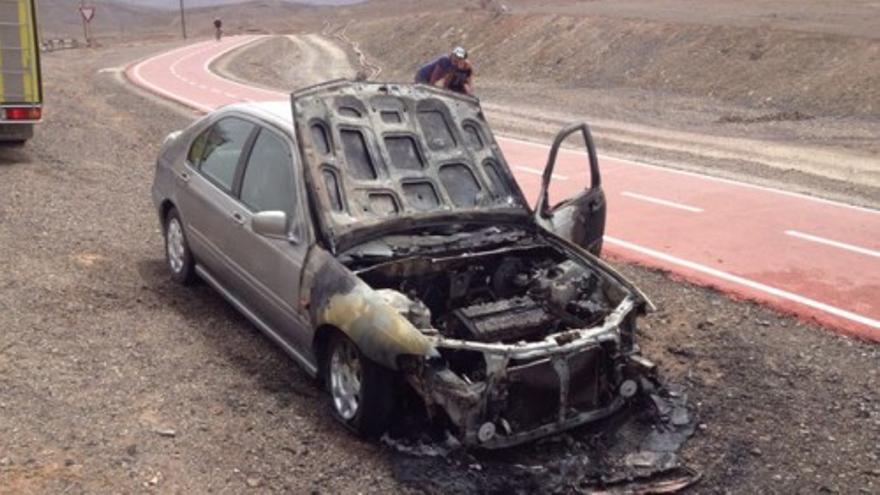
x=571, y=202
x=205, y=186
x=270, y=268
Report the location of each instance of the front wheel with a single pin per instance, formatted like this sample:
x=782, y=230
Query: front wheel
x=361, y=391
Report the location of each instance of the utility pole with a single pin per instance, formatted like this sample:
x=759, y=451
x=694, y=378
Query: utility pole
x=182, y=20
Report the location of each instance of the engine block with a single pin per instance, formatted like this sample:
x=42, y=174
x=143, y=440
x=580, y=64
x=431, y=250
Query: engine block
x=507, y=320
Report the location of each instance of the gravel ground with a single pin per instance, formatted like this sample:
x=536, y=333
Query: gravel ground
x=113, y=379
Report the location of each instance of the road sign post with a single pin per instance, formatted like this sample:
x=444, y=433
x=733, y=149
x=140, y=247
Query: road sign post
x=88, y=13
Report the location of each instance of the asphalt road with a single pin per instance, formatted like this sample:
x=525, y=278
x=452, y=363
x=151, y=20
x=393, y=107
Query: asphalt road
x=814, y=258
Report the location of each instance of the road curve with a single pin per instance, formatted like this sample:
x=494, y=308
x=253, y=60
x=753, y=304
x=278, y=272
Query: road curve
x=816, y=259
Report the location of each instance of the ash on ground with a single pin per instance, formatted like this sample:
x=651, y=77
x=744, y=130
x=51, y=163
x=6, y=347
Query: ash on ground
x=633, y=452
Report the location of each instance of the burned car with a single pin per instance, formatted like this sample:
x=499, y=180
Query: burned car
x=376, y=233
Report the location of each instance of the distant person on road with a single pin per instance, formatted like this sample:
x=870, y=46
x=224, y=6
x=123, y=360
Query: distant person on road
x=453, y=70
x=218, y=29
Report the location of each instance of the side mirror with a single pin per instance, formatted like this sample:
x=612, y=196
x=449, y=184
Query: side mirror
x=270, y=224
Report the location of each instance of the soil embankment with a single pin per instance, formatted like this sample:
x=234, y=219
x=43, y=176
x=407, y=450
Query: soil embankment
x=816, y=73
x=796, y=109
x=288, y=63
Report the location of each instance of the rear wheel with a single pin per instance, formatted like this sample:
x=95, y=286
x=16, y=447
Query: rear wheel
x=361, y=391
x=177, y=253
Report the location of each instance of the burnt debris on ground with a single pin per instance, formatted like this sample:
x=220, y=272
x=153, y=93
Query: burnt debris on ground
x=635, y=451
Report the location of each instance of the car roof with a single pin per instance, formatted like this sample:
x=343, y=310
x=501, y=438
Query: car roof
x=279, y=112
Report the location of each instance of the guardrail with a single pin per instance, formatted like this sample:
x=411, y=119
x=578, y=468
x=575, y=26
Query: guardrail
x=54, y=44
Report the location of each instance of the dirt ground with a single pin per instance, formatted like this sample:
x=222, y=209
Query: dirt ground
x=113, y=379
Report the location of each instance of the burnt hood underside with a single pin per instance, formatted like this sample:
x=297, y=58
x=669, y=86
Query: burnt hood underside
x=383, y=153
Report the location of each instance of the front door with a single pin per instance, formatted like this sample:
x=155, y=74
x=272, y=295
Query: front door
x=580, y=217
x=270, y=268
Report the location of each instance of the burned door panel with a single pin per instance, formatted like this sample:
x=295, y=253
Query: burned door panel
x=581, y=218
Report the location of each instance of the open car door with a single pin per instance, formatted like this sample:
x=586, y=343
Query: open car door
x=581, y=217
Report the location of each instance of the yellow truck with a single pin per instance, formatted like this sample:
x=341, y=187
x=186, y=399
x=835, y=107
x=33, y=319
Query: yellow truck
x=21, y=91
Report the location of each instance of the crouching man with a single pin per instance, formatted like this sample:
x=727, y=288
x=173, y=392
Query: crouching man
x=454, y=71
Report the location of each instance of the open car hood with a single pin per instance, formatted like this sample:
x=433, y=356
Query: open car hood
x=381, y=155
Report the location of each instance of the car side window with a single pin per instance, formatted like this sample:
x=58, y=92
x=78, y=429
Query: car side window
x=267, y=184
x=223, y=148
x=197, y=149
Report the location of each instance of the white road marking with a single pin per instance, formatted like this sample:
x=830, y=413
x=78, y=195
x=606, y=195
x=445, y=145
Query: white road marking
x=664, y=202
x=173, y=67
x=732, y=182
x=190, y=51
x=773, y=291
x=534, y=171
x=136, y=74
x=837, y=244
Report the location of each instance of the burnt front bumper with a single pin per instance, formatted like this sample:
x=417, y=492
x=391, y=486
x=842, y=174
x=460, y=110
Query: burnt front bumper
x=531, y=390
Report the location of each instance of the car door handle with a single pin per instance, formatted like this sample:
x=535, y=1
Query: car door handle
x=238, y=217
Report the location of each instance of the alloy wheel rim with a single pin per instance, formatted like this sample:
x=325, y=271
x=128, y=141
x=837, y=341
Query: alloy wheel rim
x=345, y=380
x=175, y=246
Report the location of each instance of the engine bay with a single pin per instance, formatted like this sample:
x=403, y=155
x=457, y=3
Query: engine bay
x=508, y=295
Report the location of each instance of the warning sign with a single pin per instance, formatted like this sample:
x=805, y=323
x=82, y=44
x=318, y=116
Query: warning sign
x=87, y=12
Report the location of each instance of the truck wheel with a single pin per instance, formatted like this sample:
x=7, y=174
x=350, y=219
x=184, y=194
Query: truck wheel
x=177, y=253
x=361, y=391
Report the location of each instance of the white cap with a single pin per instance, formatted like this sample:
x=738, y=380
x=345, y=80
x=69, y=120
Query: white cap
x=459, y=52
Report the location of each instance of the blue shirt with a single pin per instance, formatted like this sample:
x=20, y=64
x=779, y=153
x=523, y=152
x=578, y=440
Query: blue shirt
x=425, y=71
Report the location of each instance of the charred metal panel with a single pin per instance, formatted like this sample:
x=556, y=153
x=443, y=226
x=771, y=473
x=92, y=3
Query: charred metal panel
x=580, y=219
x=337, y=298
x=376, y=152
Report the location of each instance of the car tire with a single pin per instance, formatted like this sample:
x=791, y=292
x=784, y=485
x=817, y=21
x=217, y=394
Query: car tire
x=178, y=257
x=361, y=391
